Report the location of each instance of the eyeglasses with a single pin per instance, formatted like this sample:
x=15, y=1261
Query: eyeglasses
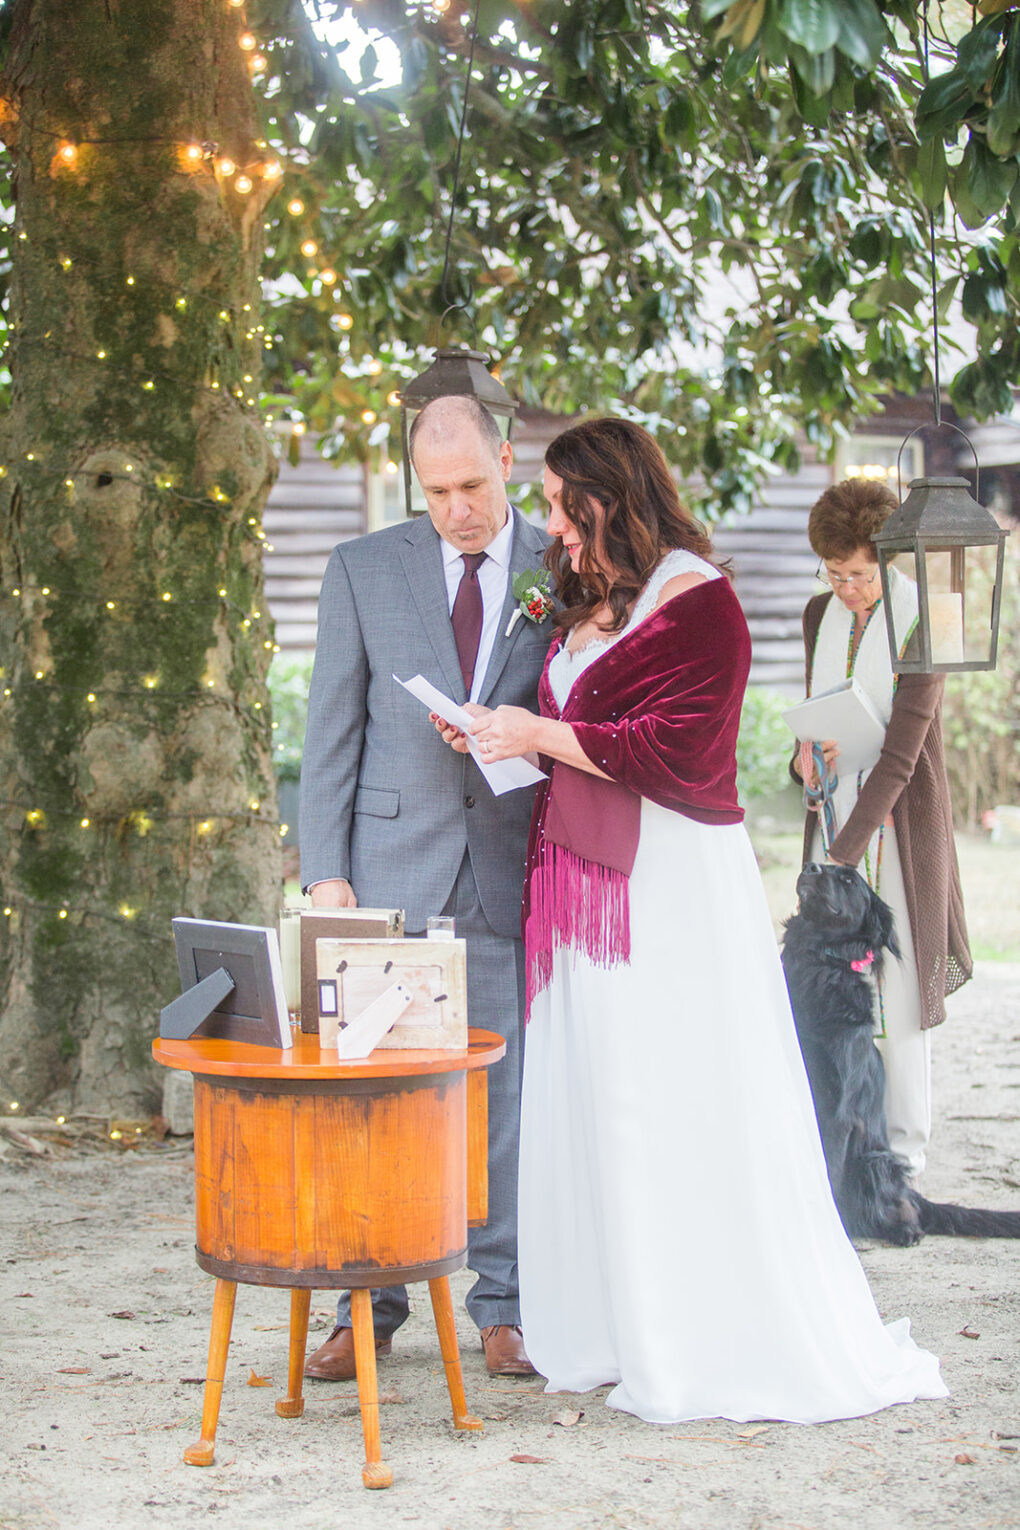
x=852, y=581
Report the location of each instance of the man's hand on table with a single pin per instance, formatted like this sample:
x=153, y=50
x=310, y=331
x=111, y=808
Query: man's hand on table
x=334, y=894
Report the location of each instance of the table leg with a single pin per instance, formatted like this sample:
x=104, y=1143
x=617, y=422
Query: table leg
x=442, y=1309
x=293, y=1405
x=375, y=1473
x=219, y=1343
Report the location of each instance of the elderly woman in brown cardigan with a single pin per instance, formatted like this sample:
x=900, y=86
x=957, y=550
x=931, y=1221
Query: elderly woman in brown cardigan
x=894, y=823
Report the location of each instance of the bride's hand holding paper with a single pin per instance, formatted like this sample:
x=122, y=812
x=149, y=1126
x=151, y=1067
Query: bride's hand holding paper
x=506, y=733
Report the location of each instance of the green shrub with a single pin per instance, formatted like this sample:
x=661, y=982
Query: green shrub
x=765, y=744
x=289, y=678
x=981, y=716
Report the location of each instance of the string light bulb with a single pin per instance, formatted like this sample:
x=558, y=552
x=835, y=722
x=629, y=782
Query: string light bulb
x=68, y=155
x=369, y=416
x=246, y=41
x=193, y=154
x=258, y=61
x=243, y=184
x=226, y=166
x=344, y=321
x=272, y=170
x=309, y=248
x=295, y=207
x=328, y=277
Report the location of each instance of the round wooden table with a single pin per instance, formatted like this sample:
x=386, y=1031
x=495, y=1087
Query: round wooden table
x=314, y=1173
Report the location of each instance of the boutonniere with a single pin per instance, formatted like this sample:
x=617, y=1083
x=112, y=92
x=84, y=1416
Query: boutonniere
x=531, y=592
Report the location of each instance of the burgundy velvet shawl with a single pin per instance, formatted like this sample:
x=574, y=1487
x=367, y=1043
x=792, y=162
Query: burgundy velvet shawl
x=659, y=712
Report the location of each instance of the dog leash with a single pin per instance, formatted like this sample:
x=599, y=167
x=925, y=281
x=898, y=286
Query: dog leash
x=818, y=799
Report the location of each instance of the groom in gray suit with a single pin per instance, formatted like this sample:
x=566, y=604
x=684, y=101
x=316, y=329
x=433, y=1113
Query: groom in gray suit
x=392, y=817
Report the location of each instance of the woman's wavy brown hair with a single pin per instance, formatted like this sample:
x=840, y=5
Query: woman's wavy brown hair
x=618, y=465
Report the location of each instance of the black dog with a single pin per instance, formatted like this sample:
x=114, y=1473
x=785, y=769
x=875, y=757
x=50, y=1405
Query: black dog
x=830, y=950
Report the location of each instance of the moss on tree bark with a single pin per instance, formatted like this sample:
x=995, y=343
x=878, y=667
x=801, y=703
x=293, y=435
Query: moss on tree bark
x=135, y=757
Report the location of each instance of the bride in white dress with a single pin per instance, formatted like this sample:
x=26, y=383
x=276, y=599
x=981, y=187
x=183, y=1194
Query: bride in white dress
x=677, y=1235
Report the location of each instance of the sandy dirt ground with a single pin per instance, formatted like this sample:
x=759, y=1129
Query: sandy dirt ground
x=106, y=1324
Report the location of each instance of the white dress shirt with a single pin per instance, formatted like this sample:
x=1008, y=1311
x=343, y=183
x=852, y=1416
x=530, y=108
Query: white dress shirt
x=493, y=574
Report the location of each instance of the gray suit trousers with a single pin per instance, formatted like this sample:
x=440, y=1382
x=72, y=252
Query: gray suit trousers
x=495, y=986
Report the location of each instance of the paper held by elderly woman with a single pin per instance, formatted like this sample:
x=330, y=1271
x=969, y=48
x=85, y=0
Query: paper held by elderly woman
x=847, y=714
x=501, y=775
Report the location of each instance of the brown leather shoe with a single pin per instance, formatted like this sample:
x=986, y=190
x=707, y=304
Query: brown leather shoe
x=504, y=1351
x=334, y=1360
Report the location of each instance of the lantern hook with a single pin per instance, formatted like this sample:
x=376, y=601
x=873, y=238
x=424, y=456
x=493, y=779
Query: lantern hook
x=939, y=425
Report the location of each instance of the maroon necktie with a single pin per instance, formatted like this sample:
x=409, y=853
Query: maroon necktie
x=466, y=616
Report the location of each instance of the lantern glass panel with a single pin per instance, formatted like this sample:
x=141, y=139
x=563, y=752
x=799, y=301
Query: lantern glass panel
x=956, y=590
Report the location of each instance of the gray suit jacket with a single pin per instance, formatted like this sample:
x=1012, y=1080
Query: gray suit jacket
x=384, y=802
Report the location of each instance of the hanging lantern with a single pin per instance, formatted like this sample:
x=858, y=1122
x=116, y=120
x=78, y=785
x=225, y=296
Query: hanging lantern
x=454, y=373
x=952, y=550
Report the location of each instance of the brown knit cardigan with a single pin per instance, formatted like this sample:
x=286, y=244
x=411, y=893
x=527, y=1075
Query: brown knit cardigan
x=909, y=781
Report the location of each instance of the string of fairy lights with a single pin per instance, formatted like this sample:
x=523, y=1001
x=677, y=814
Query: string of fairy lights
x=255, y=180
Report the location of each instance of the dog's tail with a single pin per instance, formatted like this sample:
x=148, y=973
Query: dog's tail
x=965, y=1221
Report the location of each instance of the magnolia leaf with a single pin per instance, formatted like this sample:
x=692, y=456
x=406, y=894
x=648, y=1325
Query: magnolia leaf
x=530, y=1460
x=817, y=70
x=989, y=180
x=258, y=1381
x=932, y=172
x=813, y=25
x=862, y=32
x=943, y=104
x=568, y=1417
x=977, y=53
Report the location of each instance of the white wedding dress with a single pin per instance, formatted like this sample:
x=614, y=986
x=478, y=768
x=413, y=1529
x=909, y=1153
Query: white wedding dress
x=677, y=1236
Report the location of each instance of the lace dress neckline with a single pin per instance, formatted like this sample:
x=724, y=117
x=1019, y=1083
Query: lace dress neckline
x=568, y=665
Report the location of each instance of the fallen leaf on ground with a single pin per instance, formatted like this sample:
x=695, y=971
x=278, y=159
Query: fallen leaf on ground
x=191, y=1381
x=259, y=1381
x=530, y=1460
x=19, y=1295
x=749, y=1434
x=963, y=1460
x=122, y=1314
x=567, y=1417
x=969, y=1333
x=73, y=1370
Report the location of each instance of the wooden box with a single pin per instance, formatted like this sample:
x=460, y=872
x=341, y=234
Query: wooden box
x=342, y=923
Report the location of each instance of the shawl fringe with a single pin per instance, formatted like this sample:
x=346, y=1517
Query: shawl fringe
x=575, y=903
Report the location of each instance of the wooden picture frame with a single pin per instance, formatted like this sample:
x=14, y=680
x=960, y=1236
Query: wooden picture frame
x=351, y=974
x=255, y=1010
x=338, y=923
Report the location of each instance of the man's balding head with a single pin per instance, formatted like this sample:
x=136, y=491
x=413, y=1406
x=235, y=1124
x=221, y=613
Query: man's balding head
x=451, y=416
x=463, y=465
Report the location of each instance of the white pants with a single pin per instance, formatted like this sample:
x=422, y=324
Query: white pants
x=905, y=1047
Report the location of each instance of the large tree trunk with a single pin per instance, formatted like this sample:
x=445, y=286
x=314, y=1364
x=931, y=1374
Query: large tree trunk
x=135, y=757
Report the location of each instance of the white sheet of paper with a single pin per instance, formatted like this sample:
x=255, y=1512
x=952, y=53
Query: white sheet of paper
x=501, y=776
